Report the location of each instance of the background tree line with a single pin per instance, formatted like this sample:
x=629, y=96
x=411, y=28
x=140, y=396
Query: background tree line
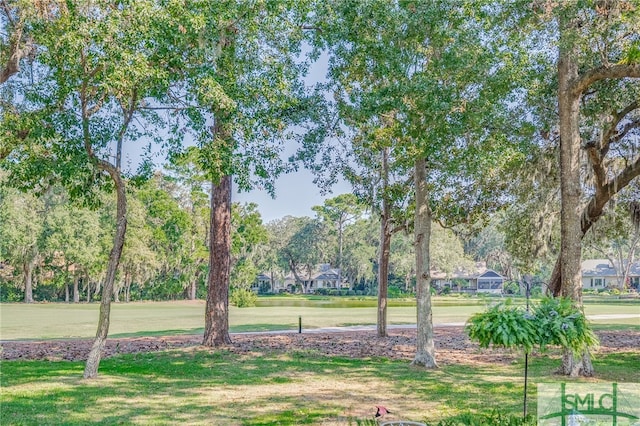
x=54, y=249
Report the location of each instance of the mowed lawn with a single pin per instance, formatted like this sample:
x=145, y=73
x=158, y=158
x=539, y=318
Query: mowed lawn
x=59, y=320
x=197, y=386
x=216, y=387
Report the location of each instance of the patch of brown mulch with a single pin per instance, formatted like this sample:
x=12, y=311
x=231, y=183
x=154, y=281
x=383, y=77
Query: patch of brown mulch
x=452, y=345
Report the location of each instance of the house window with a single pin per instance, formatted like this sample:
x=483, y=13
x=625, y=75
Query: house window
x=489, y=285
x=597, y=282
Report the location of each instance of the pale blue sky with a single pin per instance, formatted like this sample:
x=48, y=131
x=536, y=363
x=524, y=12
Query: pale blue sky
x=295, y=195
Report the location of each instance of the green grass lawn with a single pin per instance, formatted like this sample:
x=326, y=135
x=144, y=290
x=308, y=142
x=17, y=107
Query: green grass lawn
x=58, y=320
x=195, y=386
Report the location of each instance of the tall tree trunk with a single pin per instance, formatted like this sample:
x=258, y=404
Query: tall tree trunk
x=88, y=288
x=27, y=269
x=193, y=291
x=383, y=275
x=570, y=190
x=425, y=347
x=76, y=294
x=93, y=360
x=128, y=279
x=385, y=248
x=216, y=331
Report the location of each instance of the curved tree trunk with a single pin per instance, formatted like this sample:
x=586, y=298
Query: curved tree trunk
x=425, y=347
x=93, y=360
x=216, y=330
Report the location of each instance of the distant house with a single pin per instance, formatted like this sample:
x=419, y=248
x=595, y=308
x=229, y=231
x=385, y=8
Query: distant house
x=599, y=274
x=323, y=277
x=268, y=284
x=478, y=279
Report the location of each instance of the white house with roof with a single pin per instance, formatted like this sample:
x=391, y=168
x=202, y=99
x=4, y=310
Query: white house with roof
x=268, y=284
x=478, y=279
x=600, y=274
x=323, y=277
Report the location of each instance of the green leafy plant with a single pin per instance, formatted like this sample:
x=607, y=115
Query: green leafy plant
x=560, y=322
x=242, y=297
x=504, y=325
x=553, y=321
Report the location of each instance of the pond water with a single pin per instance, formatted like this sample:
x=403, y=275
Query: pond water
x=369, y=302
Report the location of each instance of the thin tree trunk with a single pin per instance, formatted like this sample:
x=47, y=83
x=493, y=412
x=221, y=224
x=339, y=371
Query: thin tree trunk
x=192, y=288
x=93, y=359
x=383, y=275
x=385, y=249
x=76, y=294
x=216, y=332
x=128, y=279
x=66, y=292
x=27, y=269
x=425, y=347
x=114, y=171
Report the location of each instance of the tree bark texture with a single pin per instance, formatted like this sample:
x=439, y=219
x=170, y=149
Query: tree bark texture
x=216, y=331
x=383, y=274
x=425, y=347
x=93, y=360
x=571, y=86
x=76, y=294
x=573, y=366
x=88, y=288
x=594, y=210
x=385, y=250
x=27, y=269
x=570, y=190
x=569, y=94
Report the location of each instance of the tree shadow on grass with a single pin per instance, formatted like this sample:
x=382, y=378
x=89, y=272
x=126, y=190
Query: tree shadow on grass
x=199, y=386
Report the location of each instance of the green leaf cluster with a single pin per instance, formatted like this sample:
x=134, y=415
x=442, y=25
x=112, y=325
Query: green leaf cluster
x=560, y=322
x=504, y=325
x=551, y=322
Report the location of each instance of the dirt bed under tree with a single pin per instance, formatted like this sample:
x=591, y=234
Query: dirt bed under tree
x=452, y=345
